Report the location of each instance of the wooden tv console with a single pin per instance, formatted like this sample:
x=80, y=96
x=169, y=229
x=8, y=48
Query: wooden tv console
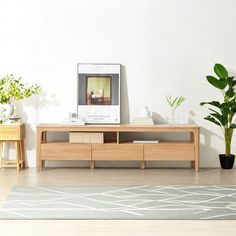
x=117, y=148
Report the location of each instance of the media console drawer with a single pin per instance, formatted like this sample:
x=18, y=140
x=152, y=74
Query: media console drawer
x=117, y=152
x=169, y=152
x=65, y=151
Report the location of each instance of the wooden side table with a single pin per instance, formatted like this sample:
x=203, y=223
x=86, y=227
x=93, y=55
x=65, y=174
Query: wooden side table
x=13, y=133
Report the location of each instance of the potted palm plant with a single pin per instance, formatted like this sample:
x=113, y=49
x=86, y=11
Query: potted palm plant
x=13, y=89
x=222, y=112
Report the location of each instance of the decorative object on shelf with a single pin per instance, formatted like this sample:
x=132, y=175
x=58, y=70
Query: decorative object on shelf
x=145, y=112
x=2, y=117
x=223, y=112
x=6, y=110
x=13, y=89
x=73, y=120
x=73, y=115
x=13, y=119
x=144, y=117
x=174, y=104
x=143, y=121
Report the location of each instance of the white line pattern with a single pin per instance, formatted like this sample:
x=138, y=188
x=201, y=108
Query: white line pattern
x=121, y=202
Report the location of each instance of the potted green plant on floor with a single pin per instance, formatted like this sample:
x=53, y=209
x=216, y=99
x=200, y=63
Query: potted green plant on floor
x=13, y=89
x=222, y=112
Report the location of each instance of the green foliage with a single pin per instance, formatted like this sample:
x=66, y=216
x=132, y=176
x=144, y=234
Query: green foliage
x=221, y=71
x=12, y=88
x=174, y=103
x=218, y=83
x=223, y=112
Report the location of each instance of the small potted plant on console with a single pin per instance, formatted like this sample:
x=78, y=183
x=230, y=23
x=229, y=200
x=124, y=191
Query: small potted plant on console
x=222, y=112
x=174, y=104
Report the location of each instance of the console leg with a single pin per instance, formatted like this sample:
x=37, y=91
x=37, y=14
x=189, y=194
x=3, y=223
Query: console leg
x=142, y=164
x=92, y=165
x=193, y=164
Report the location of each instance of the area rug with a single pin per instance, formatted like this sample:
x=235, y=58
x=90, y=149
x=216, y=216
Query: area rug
x=121, y=202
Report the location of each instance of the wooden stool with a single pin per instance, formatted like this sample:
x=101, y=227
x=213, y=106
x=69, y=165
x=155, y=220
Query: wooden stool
x=13, y=133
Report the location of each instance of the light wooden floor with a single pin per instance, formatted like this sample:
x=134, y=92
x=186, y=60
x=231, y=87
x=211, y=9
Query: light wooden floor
x=65, y=176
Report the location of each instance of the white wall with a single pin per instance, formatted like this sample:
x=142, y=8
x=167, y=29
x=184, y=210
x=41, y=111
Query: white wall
x=165, y=46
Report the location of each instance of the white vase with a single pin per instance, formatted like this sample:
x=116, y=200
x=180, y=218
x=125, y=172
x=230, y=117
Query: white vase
x=145, y=113
x=6, y=110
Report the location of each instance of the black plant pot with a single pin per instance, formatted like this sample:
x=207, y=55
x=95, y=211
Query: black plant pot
x=226, y=162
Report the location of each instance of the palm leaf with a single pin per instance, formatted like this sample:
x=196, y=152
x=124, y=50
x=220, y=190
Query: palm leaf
x=213, y=120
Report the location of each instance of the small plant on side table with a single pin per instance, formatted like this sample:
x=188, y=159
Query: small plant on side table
x=222, y=113
x=13, y=89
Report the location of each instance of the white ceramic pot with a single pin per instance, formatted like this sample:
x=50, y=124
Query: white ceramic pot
x=6, y=110
x=145, y=113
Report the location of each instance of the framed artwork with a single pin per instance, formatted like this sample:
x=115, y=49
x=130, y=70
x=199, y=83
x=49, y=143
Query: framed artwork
x=99, y=93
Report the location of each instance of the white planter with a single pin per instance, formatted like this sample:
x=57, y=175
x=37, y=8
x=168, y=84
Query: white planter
x=6, y=110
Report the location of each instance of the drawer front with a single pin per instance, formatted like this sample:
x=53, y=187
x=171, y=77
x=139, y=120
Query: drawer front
x=117, y=152
x=10, y=133
x=65, y=151
x=169, y=152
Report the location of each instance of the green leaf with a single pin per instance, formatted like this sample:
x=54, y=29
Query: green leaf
x=180, y=101
x=234, y=107
x=176, y=102
x=168, y=99
x=12, y=88
x=230, y=80
x=218, y=83
x=220, y=71
x=221, y=118
x=230, y=92
x=211, y=119
x=227, y=105
x=213, y=103
x=173, y=103
x=214, y=111
x=233, y=126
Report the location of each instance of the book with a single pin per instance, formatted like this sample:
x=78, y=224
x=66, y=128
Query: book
x=146, y=141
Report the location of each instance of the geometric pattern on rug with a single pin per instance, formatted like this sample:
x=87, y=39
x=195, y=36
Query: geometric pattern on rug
x=121, y=202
